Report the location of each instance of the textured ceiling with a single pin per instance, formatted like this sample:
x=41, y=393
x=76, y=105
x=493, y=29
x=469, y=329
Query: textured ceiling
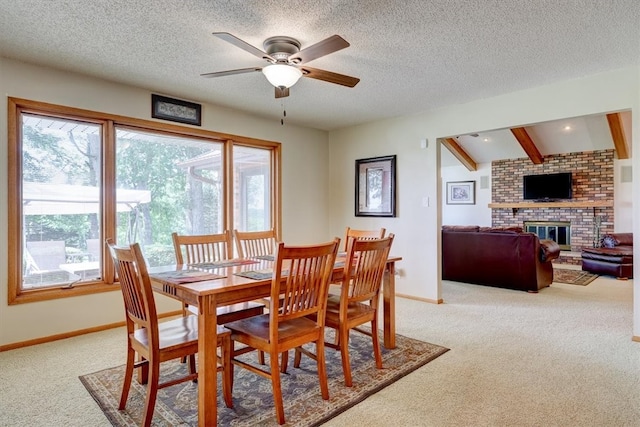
x=411, y=55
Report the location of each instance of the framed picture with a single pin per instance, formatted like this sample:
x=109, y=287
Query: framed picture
x=175, y=110
x=376, y=186
x=461, y=193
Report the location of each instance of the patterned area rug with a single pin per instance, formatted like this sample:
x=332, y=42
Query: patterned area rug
x=573, y=277
x=252, y=396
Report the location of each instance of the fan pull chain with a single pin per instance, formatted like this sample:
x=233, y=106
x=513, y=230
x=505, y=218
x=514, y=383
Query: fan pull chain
x=284, y=112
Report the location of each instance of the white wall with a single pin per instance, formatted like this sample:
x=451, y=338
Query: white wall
x=305, y=156
x=477, y=214
x=417, y=227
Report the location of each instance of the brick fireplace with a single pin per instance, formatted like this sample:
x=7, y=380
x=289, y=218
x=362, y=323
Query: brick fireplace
x=592, y=174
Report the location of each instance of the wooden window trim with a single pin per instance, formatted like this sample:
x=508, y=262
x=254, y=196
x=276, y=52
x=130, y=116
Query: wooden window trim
x=109, y=122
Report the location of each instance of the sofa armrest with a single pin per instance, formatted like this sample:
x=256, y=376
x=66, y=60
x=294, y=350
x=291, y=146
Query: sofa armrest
x=625, y=239
x=549, y=250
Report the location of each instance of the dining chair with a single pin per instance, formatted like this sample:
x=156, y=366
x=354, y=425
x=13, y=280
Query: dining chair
x=362, y=235
x=211, y=248
x=193, y=249
x=357, y=303
x=156, y=342
x=301, y=274
x=251, y=244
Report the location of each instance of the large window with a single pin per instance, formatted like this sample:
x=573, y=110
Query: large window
x=81, y=177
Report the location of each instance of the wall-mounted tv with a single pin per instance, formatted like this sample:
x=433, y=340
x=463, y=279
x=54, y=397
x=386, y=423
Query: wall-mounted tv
x=547, y=187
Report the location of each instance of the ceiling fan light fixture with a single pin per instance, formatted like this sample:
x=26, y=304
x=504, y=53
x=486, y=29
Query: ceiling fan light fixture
x=282, y=75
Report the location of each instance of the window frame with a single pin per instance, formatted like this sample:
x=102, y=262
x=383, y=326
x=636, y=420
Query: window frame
x=109, y=122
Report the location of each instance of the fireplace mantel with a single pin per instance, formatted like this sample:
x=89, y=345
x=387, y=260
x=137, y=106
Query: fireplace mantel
x=530, y=205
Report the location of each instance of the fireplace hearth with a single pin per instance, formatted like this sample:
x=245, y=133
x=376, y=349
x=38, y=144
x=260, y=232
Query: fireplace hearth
x=558, y=231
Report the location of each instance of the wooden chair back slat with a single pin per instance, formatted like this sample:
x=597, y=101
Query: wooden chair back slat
x=364, y=268
x=362, y=235
x=306, y=272
x=202, y=248
x=136, y=288
x=255, y=243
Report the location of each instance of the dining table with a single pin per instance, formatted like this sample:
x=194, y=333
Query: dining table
x=214, y=284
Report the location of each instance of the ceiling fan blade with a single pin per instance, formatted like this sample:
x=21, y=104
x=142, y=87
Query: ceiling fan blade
x=322, y=48
x=329, y=76
x=230, y=38
x=282, y=92
x=231, y=72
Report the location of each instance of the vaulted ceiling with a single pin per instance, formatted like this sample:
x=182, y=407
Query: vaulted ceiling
x=535, y=141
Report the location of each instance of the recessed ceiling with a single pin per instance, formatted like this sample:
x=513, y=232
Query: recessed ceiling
x=411, y=56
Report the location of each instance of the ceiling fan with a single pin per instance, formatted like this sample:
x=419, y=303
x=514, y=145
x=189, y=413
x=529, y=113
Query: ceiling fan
x=286, y=61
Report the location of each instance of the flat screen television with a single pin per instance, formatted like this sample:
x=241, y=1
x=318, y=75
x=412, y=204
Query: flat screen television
x=547, y=187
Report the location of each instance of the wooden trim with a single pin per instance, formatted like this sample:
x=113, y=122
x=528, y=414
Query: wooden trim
x=14, y=192
x=72, y=334
x=41, y=107
x=45, y=294
x=528, y=145
x=276, y=191
x=459, y=153
x=618, y=135
x=228, y=189
x=635, y=338
x=108, y=124
x=587, y=204
x=108, y=184
x=429, y=300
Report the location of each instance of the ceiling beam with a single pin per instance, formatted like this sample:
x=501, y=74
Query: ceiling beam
x=528, y=145
x=618, y=136
x=460, y=154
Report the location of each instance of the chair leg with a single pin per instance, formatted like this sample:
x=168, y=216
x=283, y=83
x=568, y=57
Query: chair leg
x=297, y=358
x=261, y=357
x=143, y=373
x=344, y=353
x=322, y=368
x=128, y=375
x=192, y=364
x=227, y=372
x=285, y=362
x=152, y=393
x=277, y=390
x=376, y=343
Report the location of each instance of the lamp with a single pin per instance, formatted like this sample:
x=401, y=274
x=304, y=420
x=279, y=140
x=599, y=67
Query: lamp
x=282, y=75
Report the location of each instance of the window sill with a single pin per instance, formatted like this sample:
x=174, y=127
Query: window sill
x=35, y=295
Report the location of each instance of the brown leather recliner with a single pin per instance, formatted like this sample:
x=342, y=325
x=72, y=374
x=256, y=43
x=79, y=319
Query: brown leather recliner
x=500, y=257
x=613, y=258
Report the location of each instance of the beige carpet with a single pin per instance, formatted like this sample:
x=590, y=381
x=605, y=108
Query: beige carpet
x=573, y=277
x=252, y=396
x=561, y=357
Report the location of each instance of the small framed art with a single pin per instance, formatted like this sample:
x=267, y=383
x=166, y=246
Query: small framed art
x=175, y=110
x=461, y=193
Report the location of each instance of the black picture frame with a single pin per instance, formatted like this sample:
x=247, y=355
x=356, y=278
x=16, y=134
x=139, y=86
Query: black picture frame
x=376, y=187
x=176, y=110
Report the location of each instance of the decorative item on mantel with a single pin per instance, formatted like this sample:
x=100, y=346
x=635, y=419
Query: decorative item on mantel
x=597, y=223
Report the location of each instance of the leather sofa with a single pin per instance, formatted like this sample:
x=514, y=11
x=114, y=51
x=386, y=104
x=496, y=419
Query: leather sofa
x=499, y=257
x=613, y=258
